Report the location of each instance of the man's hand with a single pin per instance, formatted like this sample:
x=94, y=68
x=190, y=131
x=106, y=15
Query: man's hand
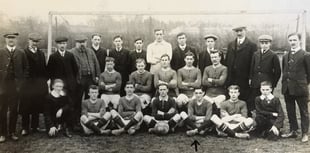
x=59, y=113
x=102, y=83
x=275, y=130
x=52, y=132
x=160, y=112
x=275, y=114
x=210, y=79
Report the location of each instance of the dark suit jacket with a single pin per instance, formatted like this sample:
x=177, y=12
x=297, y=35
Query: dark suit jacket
x=38, y=76
x=122, y=62
x=134, y=56
x=178, y=55
x=205, y=60
x=64, y=68
x=265, y=67
x=238, y=62
x=21, y=67
x=101, y=54
x=296, y=73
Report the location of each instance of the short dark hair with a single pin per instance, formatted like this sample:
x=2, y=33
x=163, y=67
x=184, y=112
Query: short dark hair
x=137, y=39
x=158, y=29
x=198, y=88
x=109, y=59
x=233, y=87
x=215, y=52
x=163, y=84
x=93, y=87
x=57, y=81
x=294, y=34
x=165, y=55
x=95, y=34
x=117, y=36
x=189, y=54
x=140, y=60
x=129, y=83
x=266, y=83
x=181, y=34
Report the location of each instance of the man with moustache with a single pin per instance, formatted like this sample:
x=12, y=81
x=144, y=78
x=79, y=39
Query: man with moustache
x=13, y=71
x=238, y=61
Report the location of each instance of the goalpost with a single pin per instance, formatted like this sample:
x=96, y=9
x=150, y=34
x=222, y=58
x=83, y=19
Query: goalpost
x=300, y=20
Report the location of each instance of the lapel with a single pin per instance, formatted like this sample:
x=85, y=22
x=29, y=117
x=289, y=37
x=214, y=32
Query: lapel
x=7, y=52
x=298, y=55
x=244, y=44
x=267, y=54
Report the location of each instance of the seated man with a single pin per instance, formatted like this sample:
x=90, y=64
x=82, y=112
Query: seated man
x=269, y=113
x=94, y=118
x=166, y=75
x=189, y=77
x=129, y=116
x=58, y=110
x=234, y=120
x=110, y=83
x=142, y=80
x=199, y=114
x=214, y=77
x=163, y=112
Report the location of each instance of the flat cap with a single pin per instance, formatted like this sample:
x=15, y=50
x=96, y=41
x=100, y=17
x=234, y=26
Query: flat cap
x=11, y=34
x=34, y=37
x=265, y=38
x=80, y=38
x=61, y=39
x=211, y=36
x=239, y=28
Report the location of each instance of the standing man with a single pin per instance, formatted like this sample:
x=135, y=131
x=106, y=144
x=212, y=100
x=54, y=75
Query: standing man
x=100, y=52
x=138, y=53
x=204, y=56
x=88, y=73
x=265, y=67
x=62, y=65
x=156, y=49
x=295, y=81
x=179, y=52
x=238, y=61
x=13, y=71
x=35, y=88
x=122, y=61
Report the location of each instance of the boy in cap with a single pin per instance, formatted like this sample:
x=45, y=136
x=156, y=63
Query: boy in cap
x=204, y=56
x=110, y=84
x=35, y=88
x=269, y=114
x=94, y=117
x=164, y=112
x=129, y=116
x=14, y=70
x=179, y=52
x=265, y=66
x=238, y=61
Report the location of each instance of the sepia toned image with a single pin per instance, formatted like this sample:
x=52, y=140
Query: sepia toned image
x=145, y=76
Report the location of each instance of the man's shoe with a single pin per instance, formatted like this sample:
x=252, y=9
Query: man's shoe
x=14, y=137
x=292, y=134
x=2, y=139
x=118, y=131
x=304, y=138
x=242, y=135
x=191, y=132
x=151, y=130
x=24, y=132
x=67, y=133
x=131, y=131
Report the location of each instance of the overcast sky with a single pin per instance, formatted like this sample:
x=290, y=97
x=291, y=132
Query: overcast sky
x=41, y=8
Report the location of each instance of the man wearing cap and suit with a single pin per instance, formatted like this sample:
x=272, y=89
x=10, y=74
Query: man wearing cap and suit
x=35, y=88
x=100, y=52
x=238, y=61
x=265, y=66
x=295, y=81
x=122, y=61
x=204, y=56
x=178, y=53
x=88, y=71
x=62, y=65
x=13, y=71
